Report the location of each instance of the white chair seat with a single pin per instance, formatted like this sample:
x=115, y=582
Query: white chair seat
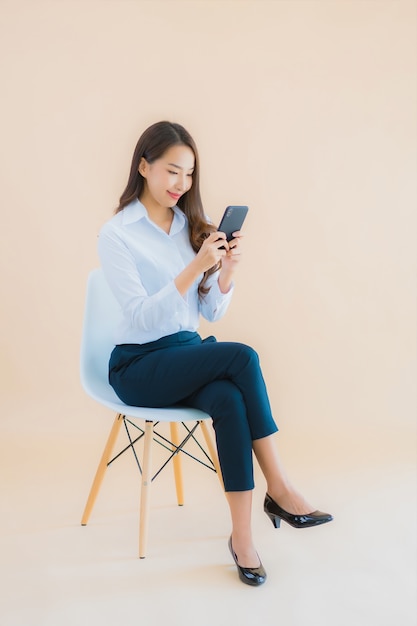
x=103, y=393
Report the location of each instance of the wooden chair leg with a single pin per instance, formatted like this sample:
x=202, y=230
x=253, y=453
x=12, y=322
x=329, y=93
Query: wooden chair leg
x=145, y=489
x=177, y=464
x=212, y=450
x=98, y=479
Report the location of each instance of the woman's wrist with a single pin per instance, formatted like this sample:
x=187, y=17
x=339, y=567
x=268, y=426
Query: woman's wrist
x=225, y=280
x=188, y=276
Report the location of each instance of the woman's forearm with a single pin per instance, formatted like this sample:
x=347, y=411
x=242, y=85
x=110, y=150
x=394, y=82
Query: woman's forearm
x=225, y=280
x=188, y=276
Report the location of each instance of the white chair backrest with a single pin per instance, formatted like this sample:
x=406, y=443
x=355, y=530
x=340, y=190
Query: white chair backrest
x=101, y=315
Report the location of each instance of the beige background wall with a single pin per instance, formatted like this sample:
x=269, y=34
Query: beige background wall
x=304, y=110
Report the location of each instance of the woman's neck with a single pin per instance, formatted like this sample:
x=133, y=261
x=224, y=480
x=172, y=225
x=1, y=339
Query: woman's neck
x=159, y=215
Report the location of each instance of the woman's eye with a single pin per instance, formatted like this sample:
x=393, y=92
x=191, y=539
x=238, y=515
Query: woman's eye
x=176, y=173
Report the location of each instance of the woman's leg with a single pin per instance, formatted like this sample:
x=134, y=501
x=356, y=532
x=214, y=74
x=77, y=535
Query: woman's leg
x=223, y=379
x=240, y=505
x=223, y=401
x=168, y=376
x=185, y=374
x=278, y=484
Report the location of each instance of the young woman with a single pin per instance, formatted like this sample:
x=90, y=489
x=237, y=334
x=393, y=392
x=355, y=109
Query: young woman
x=167, y=265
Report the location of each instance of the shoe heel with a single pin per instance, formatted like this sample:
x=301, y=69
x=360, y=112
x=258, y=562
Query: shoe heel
x=276, y=521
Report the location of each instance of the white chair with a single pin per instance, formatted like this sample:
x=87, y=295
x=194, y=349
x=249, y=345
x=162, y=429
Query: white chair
x=101, y=314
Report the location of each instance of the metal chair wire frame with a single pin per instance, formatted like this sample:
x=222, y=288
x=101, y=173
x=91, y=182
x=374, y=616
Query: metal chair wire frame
x=165, y=443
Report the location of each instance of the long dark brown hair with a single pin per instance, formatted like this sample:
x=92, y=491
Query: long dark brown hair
x=152, y=145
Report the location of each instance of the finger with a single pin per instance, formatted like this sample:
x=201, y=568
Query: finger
x=234, y=243
x=221, y=240
x=232, y=258
x=218, y=234
x=222, y=243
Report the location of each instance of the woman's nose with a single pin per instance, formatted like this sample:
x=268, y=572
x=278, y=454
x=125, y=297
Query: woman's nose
x=181, y=182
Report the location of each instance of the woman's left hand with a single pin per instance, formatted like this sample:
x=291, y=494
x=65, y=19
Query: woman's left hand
x=230, y=261
x=234, y=252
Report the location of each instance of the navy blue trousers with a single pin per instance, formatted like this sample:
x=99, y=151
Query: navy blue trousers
x=224, y=379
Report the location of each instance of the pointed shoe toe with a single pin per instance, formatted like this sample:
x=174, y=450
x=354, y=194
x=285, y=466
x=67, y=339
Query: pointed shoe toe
x=253, y=576
x=276, y=514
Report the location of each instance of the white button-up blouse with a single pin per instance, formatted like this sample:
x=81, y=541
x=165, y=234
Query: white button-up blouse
x=140, y=262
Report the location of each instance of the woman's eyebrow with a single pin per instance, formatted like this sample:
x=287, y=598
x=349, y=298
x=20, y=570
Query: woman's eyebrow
x=179, y=166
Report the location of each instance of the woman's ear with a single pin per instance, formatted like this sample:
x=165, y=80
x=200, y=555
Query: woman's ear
x=143, y=167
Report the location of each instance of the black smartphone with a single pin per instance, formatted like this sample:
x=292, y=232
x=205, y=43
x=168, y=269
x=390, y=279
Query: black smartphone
x=232, y=220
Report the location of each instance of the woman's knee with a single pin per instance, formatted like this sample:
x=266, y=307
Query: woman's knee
x=239, y=353
x=249, y=353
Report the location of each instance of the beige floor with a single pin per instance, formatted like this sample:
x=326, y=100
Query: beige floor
x=360, y=570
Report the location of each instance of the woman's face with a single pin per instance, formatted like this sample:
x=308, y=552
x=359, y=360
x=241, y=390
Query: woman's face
x=167, y=178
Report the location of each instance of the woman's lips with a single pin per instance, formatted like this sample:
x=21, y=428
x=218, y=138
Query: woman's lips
x=174, y=196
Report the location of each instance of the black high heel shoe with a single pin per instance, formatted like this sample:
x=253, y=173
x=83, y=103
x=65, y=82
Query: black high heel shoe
x=276, y=514
x=254, y=576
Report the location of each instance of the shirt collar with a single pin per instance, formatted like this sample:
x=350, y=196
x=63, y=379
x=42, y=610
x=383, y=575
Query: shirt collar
x=135, y=211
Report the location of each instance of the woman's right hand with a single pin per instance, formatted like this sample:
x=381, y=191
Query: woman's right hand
x=214, y=248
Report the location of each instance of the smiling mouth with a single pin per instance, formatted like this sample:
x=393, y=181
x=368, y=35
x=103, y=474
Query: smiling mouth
x=174, y=195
